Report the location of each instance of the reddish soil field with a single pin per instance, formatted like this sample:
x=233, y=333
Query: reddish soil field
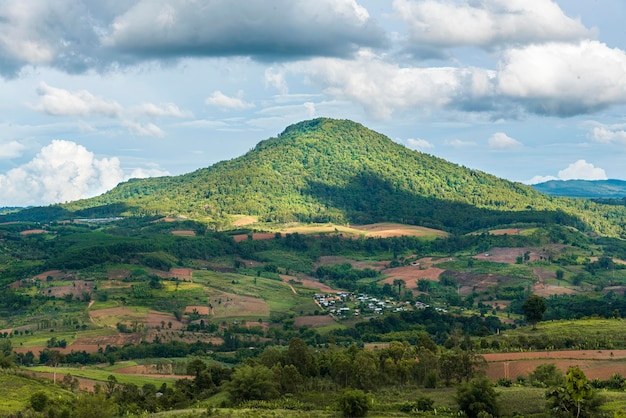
x=386, y=230
x=84, y=384
x=202, y=310
x=152, y=370
x=55, y=274
x=331, y=260
x=255, y=236
x=512, y=231
x=33, y=232
x=595, y=364
x=181, y=273
x=310, y=283
x=117, y=311
x=77, y=289
x=509, y=255
x=411, y=274
x=313, y=321
x=155, y=318
x=183, y=233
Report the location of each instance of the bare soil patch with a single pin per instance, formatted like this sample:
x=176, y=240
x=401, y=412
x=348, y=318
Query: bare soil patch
x=154, y=370
x=331, y=260
x=596, y=364
x=202, y=310
x=76, y=289
x=181, y=273
x=255, y=236
x=509, y=255
x=386, y=230
x=545, y=290
x=55, y=274
x=510, y=231
x=184, y=233
x=231, y=305
x=411, y=274
x=156, y=319
x=245, y=220
x=33, y=232
x=310, y=283
x=313, y=321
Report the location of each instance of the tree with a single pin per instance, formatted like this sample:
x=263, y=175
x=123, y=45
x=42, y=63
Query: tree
x=7, y=357
x=546, y=375
x=353, y=403
x=477, y=396
x=534, y=308
x=252, y=383
x=575, y=398
x=399, y=283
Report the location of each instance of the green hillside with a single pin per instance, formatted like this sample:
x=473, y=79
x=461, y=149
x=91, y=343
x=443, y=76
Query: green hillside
x=327, y=170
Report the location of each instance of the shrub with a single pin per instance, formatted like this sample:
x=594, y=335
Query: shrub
x=353, y=403
x=477, y=397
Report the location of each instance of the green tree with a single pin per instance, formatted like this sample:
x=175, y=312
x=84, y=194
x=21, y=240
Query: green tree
x=39, y=400
x=546, y=375
x=534, y=307
x=576, y=398
x=7, y=357
x=477, y=396
x=353, y=403
x=252, y=383
x=94, y=406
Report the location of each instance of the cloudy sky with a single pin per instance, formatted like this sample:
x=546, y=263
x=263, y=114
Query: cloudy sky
x=95, y=92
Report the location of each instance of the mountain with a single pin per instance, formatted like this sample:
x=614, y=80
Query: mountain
x=327, y=170
x=593, y=189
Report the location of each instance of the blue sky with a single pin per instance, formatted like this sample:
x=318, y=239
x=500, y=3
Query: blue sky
x=95, y=92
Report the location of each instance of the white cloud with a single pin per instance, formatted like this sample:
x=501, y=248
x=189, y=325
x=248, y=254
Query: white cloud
x=382, y=87
x=419, y=144
x=142, y=173
x=564, y=79
x=579, y=170
x=162, y=110
x=223, y=101
x=582, y=170
x=485, y=23
x=60, y=172
x=501, y=141
x=149, y=129
x=457, y=143
x=608, y=134
x=59, y=102
x=11, y=149
x=540, y=179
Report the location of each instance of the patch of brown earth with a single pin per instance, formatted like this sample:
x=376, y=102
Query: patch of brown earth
x=202, y=310
x=331, y=260
x=184, y=233
x=411, y=275
x=33, y=232
x=310, y=283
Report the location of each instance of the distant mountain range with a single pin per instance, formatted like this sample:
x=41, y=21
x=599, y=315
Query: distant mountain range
x=337, y=171
x=593, y=189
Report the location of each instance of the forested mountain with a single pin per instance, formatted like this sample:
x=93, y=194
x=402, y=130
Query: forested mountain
x=596, y=189
x=327, y=170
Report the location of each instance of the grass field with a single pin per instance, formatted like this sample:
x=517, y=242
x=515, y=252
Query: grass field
x=14, y=387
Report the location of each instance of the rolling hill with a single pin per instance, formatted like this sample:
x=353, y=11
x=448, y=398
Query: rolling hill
x=327, y=170
x=593, y=189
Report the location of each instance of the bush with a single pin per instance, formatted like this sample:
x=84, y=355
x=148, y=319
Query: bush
x=477, y=397
x=353, y=403
x=39, y=401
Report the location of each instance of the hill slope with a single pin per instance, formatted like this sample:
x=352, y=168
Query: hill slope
x=327, y=170
x=604, y=189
